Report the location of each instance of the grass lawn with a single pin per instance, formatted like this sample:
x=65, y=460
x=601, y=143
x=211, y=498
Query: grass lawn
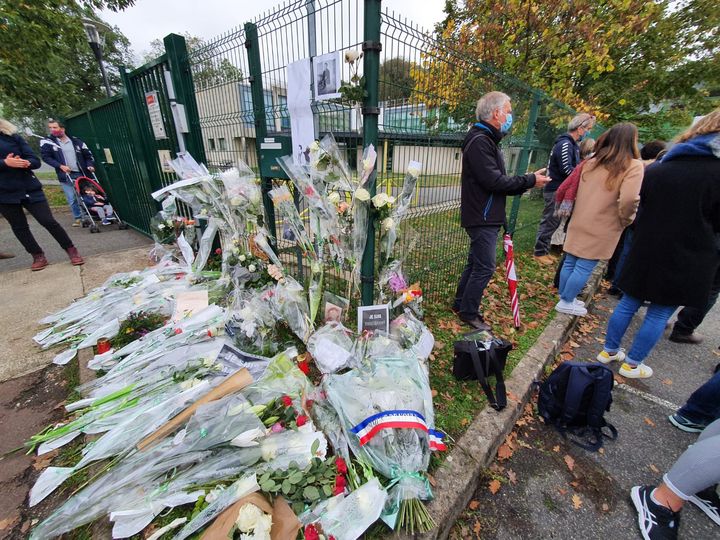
x=437, y=261
x=55, y=196
x=425, y=180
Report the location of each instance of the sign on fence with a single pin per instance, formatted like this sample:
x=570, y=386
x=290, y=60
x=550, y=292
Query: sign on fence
x=156, y=119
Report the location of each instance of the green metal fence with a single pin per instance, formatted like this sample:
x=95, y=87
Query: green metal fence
x=421, y=97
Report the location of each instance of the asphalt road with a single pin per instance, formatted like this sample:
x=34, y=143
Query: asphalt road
x=549, y=500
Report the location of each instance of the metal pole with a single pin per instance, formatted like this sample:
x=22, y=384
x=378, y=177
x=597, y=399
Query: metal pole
x=524, y=159
x=258, y=99
x=97, y=50
x=312, y=50
x=371, y=70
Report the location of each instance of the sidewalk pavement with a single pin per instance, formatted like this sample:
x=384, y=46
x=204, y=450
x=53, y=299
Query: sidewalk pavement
x=549, y=488
x=29, y=296
x=109, y=239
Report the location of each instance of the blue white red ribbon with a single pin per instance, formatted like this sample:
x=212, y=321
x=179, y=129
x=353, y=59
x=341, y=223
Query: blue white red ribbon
x=399, y=419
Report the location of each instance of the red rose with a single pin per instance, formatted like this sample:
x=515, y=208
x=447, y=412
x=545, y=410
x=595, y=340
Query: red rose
x=311, y=533
x=178, y=331
x=218, y=251
x=304, y=367
x=301, y=420
x=340, y=485
x=309, y=404
x=340, y=465
x=286, y=400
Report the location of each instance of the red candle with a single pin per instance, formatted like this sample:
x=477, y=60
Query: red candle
x=103, y=345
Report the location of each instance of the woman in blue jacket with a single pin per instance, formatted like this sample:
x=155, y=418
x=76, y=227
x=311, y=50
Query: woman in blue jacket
x=20, y=190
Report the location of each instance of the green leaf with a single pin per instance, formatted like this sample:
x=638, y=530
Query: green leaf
x=286, y=487
x=298, y=508
x=267, y=486
x=315, y=446
x=327, y=490
x=311, y=493
x=296, y=477
x=310, y=479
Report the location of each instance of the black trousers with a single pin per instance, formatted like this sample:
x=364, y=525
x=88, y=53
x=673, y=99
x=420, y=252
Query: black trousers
x=478, y=271
x=15, y=215
x=690, y=318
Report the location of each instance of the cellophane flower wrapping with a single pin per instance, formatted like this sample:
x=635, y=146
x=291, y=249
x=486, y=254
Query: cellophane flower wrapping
x=371, y=398
x=332, y=346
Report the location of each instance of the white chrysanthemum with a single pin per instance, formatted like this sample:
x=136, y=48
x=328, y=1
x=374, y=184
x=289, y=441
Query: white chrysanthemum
x=248, y=517
x=387, y=224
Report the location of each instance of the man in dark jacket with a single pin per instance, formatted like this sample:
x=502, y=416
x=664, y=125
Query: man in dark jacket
x=564, y=157
x=485, y=185
x=71, y=158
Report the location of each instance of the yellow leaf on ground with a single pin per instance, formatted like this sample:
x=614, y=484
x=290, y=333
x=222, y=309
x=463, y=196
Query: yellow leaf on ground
x=649, y=422
x=574, y=344
x=667, y=382
x=570, y=462
x=556, y=448
x=577, y=501
x=477, y=528
x=474, y=505
x=494, y=486
x=654, y=469
x=41, y=462
x=562, y=491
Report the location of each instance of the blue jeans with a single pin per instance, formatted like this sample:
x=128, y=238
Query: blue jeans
x=479, y=268
x=650, y=332
x=574, y=275
x=69, y=190
x=703, y=406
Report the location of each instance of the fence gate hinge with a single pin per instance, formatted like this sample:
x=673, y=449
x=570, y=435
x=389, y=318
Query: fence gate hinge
x=371, y=46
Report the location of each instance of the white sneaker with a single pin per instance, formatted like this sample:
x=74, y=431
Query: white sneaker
x=641, y=371
x=606, y=357
x=579, y=303
x=570, y=308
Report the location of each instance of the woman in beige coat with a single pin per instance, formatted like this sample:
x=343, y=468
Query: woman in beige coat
x=607, y=199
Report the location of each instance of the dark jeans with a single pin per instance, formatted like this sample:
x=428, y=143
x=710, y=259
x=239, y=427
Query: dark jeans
x=548, y=225
x=15, y=215
x=479, y=269
x=690, y=318
x=703, y=406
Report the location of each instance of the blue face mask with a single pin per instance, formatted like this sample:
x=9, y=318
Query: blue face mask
x=507, y=124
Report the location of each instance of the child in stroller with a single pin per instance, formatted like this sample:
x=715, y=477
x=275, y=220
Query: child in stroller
x=96, y=204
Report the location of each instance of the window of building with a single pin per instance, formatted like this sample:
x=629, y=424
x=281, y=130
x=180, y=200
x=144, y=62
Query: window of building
x=211, y=142
x=222, y=144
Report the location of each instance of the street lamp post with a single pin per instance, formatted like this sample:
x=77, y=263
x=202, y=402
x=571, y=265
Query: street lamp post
x=93, y=37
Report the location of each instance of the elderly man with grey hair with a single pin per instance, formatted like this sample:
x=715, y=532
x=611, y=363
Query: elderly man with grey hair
x=484, y=187
x=564, y=157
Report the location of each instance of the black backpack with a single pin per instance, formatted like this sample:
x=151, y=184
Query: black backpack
x=574, y=399
x=479, y=355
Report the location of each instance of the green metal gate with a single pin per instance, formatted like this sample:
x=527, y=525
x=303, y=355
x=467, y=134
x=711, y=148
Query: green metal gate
x=130, y=133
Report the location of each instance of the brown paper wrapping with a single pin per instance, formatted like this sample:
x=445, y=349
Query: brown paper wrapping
x=285, y=524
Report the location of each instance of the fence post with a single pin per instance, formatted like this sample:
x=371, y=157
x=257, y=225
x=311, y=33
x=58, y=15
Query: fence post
x=258, y=99
x=177, y=55
x=524, y=159
x=371, y=70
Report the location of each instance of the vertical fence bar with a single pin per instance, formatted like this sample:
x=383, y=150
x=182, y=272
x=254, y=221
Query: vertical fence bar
x=177, y=55
x=371, y=111
x=524, y=158
x=256, y=89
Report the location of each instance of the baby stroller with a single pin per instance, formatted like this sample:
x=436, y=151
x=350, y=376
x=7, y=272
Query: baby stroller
x=90, y=219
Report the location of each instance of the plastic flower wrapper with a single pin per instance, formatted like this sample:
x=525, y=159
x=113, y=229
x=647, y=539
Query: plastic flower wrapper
x=185, y=166
x=281, y=378
x=390, y=273
x=329, y=165
x=282, y=199
x=242, y=190
x=356, y=512
x=387, y=413
x=413, y=334
x=290, y=304
x=252, y=322
x=332, y=346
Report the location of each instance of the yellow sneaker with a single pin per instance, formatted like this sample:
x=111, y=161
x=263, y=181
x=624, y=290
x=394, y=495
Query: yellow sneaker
x=605, y=357
x=641, y=371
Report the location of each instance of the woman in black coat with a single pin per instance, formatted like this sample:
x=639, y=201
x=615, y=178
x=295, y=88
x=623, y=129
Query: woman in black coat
x=20, y=190
x=674, y=256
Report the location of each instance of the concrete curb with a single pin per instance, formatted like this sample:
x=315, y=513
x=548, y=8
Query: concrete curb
x=457, y=479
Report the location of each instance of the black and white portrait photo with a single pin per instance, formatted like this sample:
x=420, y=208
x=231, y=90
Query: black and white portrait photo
x=326, y=69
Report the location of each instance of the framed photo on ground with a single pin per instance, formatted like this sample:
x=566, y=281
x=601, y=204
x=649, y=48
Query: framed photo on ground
x=374, y=318
x=326, y=71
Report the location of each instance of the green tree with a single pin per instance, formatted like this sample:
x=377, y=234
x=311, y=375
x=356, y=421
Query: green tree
x=46, y=65
x=209, y=69
x=396, y=81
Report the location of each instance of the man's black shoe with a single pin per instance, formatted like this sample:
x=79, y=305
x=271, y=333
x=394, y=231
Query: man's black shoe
x=476, y=323
x=679, y=337
x=614, y=291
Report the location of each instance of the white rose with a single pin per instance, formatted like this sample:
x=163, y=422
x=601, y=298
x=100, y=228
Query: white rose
x=242, y=258
x=268, y=449
x=387, y=224
x=236, y=201
x=414, y=168
x=252, y=268
x=263, y=526
x=314, y=146
x=248, y=517
x=380, y=200
x=161, y=226
x=351, y=56
x=362, y=194
x=334, y=197
x=391, y=200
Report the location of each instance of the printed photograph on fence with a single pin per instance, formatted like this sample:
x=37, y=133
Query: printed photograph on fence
x=326, y=69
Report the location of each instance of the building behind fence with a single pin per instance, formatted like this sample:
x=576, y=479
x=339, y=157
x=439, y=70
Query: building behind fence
x=221, y=100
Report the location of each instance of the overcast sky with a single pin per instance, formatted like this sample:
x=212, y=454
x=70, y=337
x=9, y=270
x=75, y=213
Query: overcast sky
x=151, y=19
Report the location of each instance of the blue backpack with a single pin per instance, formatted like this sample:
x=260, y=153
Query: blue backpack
x=574, y=399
